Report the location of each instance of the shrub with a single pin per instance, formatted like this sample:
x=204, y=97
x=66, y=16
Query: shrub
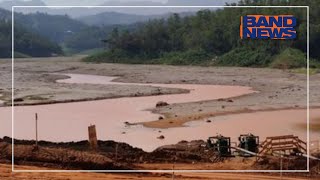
x=289, y=58
x=245, y=57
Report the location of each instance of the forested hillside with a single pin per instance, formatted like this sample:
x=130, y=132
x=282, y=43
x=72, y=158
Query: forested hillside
x=55, y=27
x=26, y=43
x=92, y=37
x=111, y=18
x=212, y=38
x=41, y=34
x=115, y=18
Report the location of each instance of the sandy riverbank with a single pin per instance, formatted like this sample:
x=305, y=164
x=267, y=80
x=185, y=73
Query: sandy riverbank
x=35, y=83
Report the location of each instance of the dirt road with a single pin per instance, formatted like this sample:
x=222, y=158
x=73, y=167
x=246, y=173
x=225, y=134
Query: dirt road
x=5, y=173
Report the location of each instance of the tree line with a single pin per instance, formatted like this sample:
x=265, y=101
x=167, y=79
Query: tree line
x=212, y=37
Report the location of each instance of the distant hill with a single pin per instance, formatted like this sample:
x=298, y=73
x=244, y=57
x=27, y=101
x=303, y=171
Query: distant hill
x=27, y=43
x=113, y=18
x=7, y=4
x=199, y=2
x=55, y=31
x=54, y=27
x=78, y=12
x=92, y=36
x=5, y=14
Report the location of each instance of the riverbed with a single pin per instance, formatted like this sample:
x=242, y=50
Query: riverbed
x=69, y=121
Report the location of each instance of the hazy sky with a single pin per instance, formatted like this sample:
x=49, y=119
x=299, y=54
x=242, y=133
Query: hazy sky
x=76, y=12
x=90, y=2
x=97, y=2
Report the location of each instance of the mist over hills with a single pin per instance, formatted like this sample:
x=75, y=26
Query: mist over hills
x=65, y=33
x=54, y=27
x=27, y=42
x=7, y=4
x=78, y=12
x=111, y=18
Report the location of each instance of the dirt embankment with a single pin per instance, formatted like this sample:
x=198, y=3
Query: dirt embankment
x=110, y=155
x=114, y=155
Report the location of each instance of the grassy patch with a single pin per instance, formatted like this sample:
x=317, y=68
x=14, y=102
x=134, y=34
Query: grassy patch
x=245, y=57
x=289, y=58
x=242, y=57
x=191, y=57
x=20, y=55
x=91, y=51
x=312, y=71
x=35, y=97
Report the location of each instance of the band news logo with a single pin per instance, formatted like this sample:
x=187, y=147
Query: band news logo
x=264, y=27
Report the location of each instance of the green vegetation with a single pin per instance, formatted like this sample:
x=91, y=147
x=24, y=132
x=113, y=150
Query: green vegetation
x=54, y=27
x=26, y=43
x=208, y=37
x=88, y=38
x=245, y=57
x=5, y=40
x=289, y=58
x=20, y=55
x=312, y=71
x=40, y=34
x=91, y=37
x=212, y=38
x=189, y=57
x=32, y=44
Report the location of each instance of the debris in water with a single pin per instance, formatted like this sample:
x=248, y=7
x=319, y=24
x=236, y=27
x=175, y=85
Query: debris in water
x=129, y=124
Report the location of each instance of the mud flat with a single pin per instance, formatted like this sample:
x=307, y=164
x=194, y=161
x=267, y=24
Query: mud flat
x=35, y=83
x=112, y=116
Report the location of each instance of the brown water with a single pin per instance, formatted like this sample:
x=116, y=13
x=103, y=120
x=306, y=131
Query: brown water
x=69, y=121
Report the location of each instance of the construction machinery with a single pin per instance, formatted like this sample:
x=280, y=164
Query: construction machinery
x=220, y=144
x=250, y=143
x=288, y=145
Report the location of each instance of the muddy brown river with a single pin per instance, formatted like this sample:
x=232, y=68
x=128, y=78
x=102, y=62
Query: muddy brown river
x=70, y=121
